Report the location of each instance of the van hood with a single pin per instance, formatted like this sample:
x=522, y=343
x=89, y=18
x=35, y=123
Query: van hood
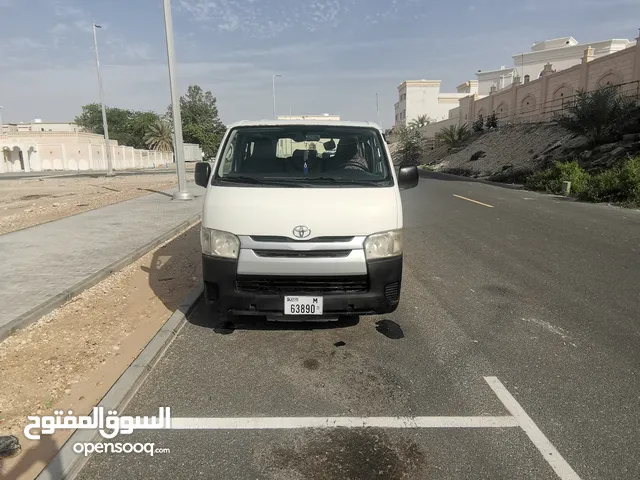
x=325, y=211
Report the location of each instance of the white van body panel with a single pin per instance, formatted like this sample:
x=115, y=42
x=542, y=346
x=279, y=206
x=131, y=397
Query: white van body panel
x=325, y=211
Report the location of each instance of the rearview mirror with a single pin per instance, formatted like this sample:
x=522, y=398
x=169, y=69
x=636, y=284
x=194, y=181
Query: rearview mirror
x=329, y=145
x=202, y=173
x=408, y=176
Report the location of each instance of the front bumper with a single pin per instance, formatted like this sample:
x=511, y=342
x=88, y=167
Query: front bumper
x=376, y=293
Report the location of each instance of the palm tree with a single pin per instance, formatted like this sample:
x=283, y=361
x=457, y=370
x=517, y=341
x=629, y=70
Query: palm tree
x=454, y=135
x=420, y=121
x=600, y=115
x=159, y=136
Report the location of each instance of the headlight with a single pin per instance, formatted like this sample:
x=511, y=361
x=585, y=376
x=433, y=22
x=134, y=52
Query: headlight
x=383, y=245
x=219, y=244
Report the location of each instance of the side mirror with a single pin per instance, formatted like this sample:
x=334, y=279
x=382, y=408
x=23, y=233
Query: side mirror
x=202, y=174
x=408, y=176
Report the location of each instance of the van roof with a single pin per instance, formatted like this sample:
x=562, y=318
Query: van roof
x=332, y=123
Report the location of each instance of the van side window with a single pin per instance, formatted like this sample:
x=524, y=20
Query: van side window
x=227, y=158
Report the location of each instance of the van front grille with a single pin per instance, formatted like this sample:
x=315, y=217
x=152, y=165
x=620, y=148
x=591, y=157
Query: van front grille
x=270, y=238
x=292, y=285
x=302, y=253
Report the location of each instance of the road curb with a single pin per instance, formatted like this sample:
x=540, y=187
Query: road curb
x=51, y=304
x=425, y=174
x=67, y=464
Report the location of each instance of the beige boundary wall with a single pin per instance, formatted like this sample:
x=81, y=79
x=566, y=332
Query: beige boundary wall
x=540, y=99
x=42, y=151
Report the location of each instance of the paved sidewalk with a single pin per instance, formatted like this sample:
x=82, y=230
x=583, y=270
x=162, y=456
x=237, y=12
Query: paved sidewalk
x=42, y=265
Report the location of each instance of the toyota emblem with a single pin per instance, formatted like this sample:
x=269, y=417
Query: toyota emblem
x=301, y=231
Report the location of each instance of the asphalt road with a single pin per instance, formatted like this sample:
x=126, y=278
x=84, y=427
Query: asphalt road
x=541, y=292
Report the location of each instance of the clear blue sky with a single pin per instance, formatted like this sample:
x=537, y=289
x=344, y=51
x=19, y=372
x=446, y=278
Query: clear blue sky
x=334, y=55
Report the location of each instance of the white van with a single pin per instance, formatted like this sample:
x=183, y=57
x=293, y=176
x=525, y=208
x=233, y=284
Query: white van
x=302, y=220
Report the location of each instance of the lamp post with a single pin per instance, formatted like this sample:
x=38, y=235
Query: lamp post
x=274, y=94
x=178, y=147
x=104, y=111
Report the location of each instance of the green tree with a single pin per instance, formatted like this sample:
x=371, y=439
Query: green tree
x=128, y=127
x=159, y=136
x=139, y=125
x=454, y=135
x=420, y=121
x=200, y=121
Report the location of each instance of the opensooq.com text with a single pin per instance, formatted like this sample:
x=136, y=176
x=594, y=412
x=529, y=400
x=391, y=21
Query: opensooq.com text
x=89, y=448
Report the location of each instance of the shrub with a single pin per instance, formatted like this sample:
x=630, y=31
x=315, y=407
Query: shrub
x=454, y=135
x=599, y=115
x=616, y=185
x=550, y=179
x=492, y=121
x=478, y=125
x=603, y=187
x=410, y=146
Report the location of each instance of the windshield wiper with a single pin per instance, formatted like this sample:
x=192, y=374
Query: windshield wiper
x=257, y=181
x=349, y=181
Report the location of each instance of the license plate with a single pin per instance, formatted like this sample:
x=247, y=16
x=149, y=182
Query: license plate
x=302, y=305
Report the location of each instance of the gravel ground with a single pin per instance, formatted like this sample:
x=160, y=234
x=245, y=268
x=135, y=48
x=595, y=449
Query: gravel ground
x=29, y=202
x=71, y=357
x=521, y=147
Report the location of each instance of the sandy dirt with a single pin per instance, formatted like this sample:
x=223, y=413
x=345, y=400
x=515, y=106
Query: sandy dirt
x=70, y=358
x=28, y=202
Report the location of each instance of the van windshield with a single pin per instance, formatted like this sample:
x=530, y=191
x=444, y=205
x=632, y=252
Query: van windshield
x=304, y=156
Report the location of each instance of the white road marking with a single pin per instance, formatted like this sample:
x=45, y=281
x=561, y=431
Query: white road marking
x=547, y=326
x=518, y=418
x=542, y=443
x=244, y=423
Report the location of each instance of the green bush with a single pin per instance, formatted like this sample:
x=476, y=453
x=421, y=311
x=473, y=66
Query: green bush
x=454, y=135
x=550, y=179
x=478, y=125
x=617, y=185
x=492, y=121
x=410, y=146
x=603, y=187
x=601, y=115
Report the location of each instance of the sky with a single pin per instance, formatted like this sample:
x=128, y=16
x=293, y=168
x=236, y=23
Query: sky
x=334, y=55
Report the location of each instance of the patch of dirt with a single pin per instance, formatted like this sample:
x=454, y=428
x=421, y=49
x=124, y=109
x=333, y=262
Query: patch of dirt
x=28, y=202
x=342, y=453
x=71, y=357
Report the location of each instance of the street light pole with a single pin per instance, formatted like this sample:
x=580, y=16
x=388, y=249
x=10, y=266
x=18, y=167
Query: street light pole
x=274, y=94
x=378, y=111
x=178, y=146
x=104, y=111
